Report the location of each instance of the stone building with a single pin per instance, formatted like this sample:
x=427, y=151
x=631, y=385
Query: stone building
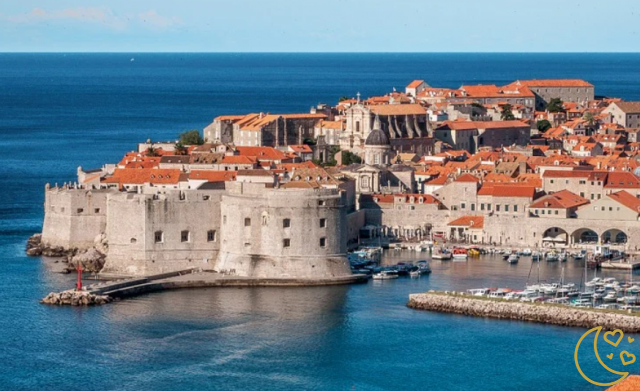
x=473, y=135
x=626, y=114
x=377, y=149
x=568, y=90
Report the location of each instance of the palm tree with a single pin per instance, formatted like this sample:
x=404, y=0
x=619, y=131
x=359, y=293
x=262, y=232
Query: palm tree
x=180, y=149
x=152, y=152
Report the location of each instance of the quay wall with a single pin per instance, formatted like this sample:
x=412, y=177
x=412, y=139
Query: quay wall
x=530, y=312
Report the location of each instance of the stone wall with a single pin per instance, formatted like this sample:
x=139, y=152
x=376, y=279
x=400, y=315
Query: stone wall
x=145, y=232
x=74, y=217
x=514, y=310
x=271, y=233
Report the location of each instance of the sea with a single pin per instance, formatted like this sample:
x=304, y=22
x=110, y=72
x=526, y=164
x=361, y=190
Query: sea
x=62, y=111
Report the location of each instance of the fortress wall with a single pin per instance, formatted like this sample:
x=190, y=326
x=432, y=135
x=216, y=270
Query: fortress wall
x=257, y=248
x=134, y=219
x=74, y=217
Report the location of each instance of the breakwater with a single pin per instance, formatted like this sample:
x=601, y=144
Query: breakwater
x=463, y=304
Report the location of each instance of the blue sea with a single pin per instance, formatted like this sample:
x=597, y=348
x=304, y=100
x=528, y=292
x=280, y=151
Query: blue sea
x=61, y=111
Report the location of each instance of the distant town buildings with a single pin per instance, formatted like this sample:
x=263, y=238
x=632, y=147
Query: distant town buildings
x=537, y=163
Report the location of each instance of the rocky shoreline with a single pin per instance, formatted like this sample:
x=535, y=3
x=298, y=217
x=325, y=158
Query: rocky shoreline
x=75, y=298
x=459, y=303
x=92, y=260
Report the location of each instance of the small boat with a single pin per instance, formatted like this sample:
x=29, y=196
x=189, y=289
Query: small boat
x=386, y=275
x=479, y=292
x=526, y=252
x=582, y=303
x=536, y=256
x=552, y=256
x=513, y=258
x=441, y=254
x=460, y=253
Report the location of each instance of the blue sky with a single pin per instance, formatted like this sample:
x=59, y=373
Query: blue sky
x=322, y=26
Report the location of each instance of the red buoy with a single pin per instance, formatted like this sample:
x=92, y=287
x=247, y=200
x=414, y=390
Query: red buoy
x=79, y=282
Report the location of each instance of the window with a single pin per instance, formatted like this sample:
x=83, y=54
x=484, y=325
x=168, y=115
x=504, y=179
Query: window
x=506, y=208
x=566, y=181
x=582, y=194
x=184, y=236
x=473, y=207
x=286, y=223
x=80, y=210
x=543, y=211
x=286, y=243
x=323, y=242
x=481, y=206
x=96, y=210
x=134, y=241
x=463, y=205
x=611, y=209
x=583, y=182
x=321, y=203
x=515, y=208
x=211, y=236
x=535, y=211
x=497, y=207
x=247, y=222
x=323, y=223
x=159, y=237
x=224, y=219
x=551, y=181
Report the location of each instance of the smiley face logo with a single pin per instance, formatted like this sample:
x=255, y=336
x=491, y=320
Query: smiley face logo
x=625, y=357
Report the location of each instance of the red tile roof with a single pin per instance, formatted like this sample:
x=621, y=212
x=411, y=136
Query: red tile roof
x=401, y=109
x=553, y=83
x=415, y=84
x=627, y=200
x=622, y=180
x=213, y=176
x=561, y=200
x=507, y=190
x=262, y=153
x=470, y=125
x=476, y=222
x=139, y=176
x=467, y=178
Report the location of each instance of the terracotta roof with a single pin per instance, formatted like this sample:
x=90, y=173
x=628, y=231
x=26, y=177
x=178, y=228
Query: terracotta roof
x=628, y=107
x=627, y=200
x=493, y=91
x=256, y=172
x=507, y=190
x=415, y=84
x=304, y=116
x=400, y=109
x=404, y=198
x=476, y=222
x=467, y=178
x=331, y=124
x=588, y=174
x=213, y=176
x=470, y=125
x=622, y=180
x=561, y=200
x=141, y=176
x=294, y=166
x=239, y=160
x=229, y=117
x=300, y=148
x=262, y=153
x=553, y=83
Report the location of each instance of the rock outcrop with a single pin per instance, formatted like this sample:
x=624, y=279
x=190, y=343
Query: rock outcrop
x=531, y=312
x=75, y=298
x=91, y=260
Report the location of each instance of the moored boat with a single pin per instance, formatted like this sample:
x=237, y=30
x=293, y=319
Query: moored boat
x=460, y=253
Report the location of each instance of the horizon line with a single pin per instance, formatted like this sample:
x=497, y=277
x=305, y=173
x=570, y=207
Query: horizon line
x=307, y=52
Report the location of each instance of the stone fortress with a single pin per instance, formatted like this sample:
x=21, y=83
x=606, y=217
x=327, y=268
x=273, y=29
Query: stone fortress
x=245, y=230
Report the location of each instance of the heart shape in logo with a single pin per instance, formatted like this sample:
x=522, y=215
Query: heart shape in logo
x=631, y=356
x=612, y=333
x=630, y=339
x=610, y=356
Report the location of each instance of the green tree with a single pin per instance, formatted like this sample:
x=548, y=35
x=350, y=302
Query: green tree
x=343, y=98
x=180, y=149
x=152, y=152
x=309, y=141
x=543, y=125
x=507, y=114
x=588, y=116
x=350, y=158
x=556, y=105
x=191, y=137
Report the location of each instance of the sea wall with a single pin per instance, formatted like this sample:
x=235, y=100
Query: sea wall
x=530, y=312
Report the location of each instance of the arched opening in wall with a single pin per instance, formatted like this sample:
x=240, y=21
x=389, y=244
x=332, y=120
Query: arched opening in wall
x=134, y=241
x=614, y=236
x=585, y=236
x=554, y=236
x=158, y=237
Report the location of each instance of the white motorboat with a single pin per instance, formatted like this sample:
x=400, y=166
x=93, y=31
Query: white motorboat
x=513, y=258
x=386, y=275
x=478, y=292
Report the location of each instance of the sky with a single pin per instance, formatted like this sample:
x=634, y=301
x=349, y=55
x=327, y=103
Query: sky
x=319, y=26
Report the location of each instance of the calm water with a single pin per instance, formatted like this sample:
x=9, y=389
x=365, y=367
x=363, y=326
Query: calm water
x=59, y=111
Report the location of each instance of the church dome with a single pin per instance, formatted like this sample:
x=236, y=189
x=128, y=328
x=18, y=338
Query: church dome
x=377, y=137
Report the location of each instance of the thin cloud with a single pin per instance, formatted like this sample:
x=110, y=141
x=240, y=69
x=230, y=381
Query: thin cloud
x=101, y=16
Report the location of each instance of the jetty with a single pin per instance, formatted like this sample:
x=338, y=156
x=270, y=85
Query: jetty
x=466, y=304
x=107, y=291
